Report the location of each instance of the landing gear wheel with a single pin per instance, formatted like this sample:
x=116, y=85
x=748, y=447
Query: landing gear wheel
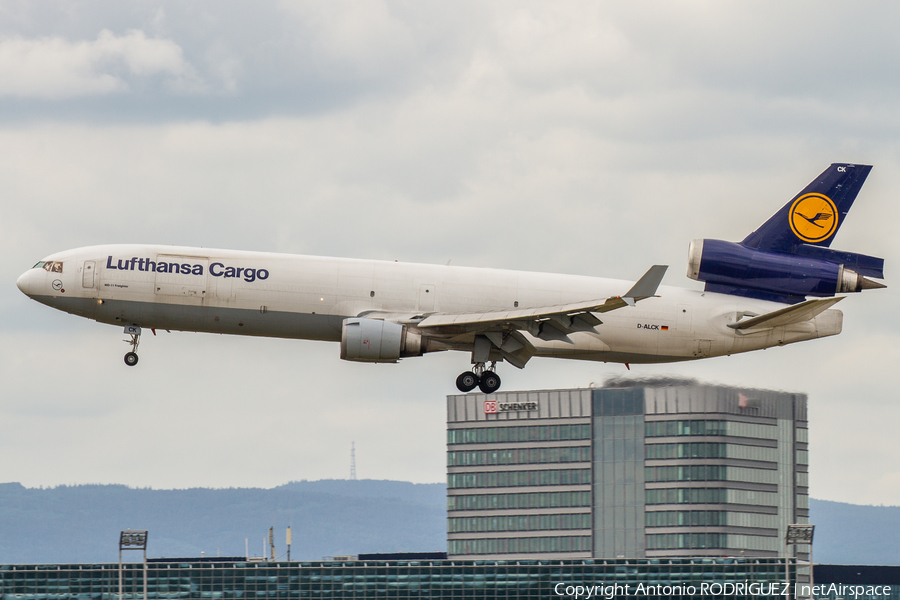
x=490, y=382
x=131, y=359
x=466, y=382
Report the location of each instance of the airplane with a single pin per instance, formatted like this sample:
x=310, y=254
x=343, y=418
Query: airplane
x=775, y=287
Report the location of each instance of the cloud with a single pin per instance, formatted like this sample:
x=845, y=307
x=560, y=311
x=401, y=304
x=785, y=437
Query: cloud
x=352, y=39
x=54, y=68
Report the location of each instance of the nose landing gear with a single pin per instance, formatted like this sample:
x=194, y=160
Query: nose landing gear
x=484, y=378
x=134, y=332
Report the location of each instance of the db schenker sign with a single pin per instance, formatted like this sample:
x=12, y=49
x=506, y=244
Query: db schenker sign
x=492, y=407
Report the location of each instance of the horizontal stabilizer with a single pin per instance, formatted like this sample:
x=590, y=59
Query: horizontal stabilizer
x=805, y=311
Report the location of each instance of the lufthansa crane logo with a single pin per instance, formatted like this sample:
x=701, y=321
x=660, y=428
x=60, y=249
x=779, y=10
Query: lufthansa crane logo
x=813, y=217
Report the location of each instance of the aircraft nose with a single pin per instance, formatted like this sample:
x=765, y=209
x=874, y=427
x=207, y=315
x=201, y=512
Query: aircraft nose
x=25, y=282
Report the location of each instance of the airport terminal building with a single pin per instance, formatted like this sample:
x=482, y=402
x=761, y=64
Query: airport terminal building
x=415, y=578
x=640, y=469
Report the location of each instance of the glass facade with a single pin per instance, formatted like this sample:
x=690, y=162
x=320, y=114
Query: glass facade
x=709, y=427
x=520, y=522
x=519, y=482
x=619, y=473
x=681, y=518
x=519, y=478
x=695, y=450
x=687, y=496
x=520, y=545
x=524, y=500
x=745, y=442
x=519, y=456
x=713, y=450
x=679, y=541
x=484, y=579
x=525, y=433
x=710, y=518
x=709, y=473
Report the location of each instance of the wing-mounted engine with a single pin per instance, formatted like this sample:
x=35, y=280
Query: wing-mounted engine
x=732, y=268
x=375, y=340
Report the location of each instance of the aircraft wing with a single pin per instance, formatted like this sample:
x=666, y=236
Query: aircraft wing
x=548, y=323
x=644, y=288
x=797, y=313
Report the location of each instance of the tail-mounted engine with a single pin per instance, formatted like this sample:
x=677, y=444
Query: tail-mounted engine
x=374, y=340
x=733, y=268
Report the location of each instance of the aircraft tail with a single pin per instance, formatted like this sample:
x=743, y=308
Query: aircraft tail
x=815, y=215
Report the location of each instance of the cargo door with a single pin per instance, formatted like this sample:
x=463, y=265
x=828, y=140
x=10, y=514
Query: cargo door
x=87, y=274
x=181, y=276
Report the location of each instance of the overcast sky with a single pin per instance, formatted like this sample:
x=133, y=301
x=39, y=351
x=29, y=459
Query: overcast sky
x=593, y=138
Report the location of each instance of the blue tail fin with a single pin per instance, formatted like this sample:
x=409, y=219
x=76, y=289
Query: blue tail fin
x=814, y=215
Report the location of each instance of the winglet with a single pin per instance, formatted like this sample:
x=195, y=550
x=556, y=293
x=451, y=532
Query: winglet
x=647, y=285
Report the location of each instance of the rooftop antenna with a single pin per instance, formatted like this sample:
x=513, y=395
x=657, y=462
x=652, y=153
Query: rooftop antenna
x=352, y=461
x=289, y=537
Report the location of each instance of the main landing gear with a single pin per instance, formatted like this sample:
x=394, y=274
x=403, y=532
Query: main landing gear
x=484, y=378
x=134, y=332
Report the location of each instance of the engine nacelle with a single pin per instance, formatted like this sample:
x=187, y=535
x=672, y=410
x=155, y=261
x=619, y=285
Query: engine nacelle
x=734, y=268
x=374, y=340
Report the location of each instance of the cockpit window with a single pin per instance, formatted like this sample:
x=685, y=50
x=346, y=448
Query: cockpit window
x=51, y=266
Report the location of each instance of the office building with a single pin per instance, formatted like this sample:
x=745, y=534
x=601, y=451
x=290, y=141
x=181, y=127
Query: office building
x=636, y=469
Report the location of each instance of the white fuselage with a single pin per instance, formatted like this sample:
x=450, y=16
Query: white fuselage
x=305, y=297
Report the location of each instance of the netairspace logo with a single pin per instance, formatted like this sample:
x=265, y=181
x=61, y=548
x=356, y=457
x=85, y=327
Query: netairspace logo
x=746, y=588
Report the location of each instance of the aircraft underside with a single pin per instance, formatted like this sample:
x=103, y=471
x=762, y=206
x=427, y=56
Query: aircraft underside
x=603, y=346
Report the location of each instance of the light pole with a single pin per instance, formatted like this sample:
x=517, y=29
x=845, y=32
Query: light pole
x=133, y=539
x=798, y=534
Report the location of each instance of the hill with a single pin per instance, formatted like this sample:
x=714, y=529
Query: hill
x=81, y=524
x=854, y=534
